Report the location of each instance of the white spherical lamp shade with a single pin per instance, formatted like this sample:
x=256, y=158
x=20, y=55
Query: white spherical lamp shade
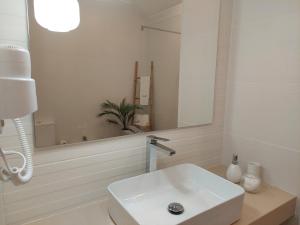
x=57, y=15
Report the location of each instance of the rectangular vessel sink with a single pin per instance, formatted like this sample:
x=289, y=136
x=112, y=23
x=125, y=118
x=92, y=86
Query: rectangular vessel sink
x=207, y=199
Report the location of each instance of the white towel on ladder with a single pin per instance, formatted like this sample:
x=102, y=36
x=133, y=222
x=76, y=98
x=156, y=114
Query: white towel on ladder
x=145, y=90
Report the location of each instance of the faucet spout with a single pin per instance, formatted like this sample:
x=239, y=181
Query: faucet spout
x=164, y=148
x=151, y=151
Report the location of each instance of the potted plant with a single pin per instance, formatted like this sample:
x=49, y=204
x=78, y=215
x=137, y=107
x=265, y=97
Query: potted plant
x=120, y=114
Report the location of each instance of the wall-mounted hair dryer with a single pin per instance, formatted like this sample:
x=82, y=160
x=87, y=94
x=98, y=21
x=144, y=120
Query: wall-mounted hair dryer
x=17, y=99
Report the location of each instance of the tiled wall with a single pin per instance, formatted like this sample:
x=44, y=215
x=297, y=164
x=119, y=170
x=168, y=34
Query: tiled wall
x=68, y=176
x=13, y=23
x=263, y=101
x=2, y=221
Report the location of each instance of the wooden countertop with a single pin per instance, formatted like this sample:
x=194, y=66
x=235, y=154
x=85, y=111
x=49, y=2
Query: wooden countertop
x=271, y=206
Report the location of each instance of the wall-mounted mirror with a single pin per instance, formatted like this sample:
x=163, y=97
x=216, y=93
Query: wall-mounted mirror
x=130, y=66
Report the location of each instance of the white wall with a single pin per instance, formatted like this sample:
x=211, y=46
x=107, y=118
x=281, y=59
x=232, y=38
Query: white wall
x=164, y=50
x=68, y=176
x=200, y=24
x=263, y=99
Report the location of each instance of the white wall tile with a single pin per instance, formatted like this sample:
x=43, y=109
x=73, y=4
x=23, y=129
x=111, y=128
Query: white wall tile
x=13, y=7
x=265, y=41
x=2, y=216
x=14, y=32
x=269, y=113
x=263, y=91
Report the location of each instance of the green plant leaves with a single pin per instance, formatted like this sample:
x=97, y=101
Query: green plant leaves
x=123, y=114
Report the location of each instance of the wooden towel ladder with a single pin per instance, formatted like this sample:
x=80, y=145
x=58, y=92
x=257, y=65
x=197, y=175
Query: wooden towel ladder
x=136, y=99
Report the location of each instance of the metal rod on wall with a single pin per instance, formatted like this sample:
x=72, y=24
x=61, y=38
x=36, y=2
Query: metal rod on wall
x=158, y=29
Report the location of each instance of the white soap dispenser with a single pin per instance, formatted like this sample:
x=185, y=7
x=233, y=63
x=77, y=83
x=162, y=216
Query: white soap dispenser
x=234, y=172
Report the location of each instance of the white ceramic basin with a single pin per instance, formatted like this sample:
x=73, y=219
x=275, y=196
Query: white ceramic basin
x=207, y=198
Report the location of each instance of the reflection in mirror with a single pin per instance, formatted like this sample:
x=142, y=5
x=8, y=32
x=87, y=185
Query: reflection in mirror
x=124, y=70
x=57, y=15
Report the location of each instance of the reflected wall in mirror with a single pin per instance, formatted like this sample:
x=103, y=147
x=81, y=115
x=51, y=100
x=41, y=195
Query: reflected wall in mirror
x=131, y=66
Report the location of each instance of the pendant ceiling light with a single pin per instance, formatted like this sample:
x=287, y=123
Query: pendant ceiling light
x=57, y=15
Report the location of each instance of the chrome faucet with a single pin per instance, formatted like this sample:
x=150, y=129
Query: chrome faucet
x=151, y=151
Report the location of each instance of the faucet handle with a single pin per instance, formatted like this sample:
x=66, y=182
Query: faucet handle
x=155, y=138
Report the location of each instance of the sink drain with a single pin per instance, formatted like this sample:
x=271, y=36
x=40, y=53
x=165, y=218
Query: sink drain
x=175, y=208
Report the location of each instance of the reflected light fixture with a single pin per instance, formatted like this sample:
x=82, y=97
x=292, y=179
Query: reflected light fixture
x=57, y=15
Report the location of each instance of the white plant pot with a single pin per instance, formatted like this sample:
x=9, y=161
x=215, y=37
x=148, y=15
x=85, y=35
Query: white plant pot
x=126, y=132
